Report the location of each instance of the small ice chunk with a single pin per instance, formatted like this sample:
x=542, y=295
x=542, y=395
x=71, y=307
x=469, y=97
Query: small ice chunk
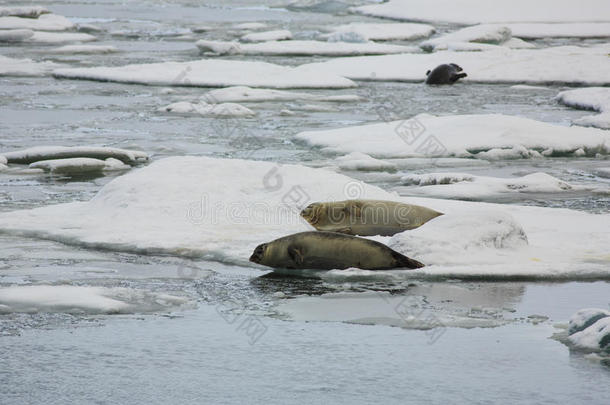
x=249, y=94
x=23, y=11
x=35, y=154
x=595, y=338
x=209, y=110
x=362, y=161
x=70, y=166
x=41, y=37
x=484, y=33
x=19, y=35
x=84, y=49
x=250, y=26
x=46, y=22
x=381, y=31
x=24, y=67
x=276, y=35
x=355, y=37
x=584, y=318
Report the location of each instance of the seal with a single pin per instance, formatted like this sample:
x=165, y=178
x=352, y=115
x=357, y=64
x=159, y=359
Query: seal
x=327, y=251
x=445, y=74
x=367, y=217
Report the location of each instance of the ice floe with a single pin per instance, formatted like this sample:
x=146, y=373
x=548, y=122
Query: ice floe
x=209, y=110
x=41, y=37
x=276, y=35
x=77, y=166
x=210, y=73
x=244, y=93
x=487, y=136
x=24, y=67
x=556, y=65
x=560, y=30
x=482, y=11
x=46, y=22
x=85, y=300
x=591, y=98
x=23, y=11
x=84, y=49
x=465, y=186
x=250, y=26
x=206, y=207
x=362, y=161
x=584, y=318
x=382, y=32
x=302, y=48
x=590, y=330
x=484, y=33
x=35, y=154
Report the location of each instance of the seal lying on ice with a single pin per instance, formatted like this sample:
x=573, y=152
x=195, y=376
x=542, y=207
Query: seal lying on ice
x=327, y=251
x=445, y=74
x=367, y=217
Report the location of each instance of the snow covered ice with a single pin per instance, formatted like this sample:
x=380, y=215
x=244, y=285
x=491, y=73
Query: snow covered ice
x=589, y=98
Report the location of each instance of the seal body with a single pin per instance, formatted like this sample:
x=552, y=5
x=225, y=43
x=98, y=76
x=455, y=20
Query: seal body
x=367, y=217
x=327, y=251
x=445, y=74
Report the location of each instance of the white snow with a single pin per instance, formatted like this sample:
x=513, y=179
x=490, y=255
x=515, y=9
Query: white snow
x=210, y=73
x=89, y=300
x=485, y=136
x=469, y=12
x=565, y=64
x=465, y=186
x=35, y=154
x=484, y=33
x=84, y=49
x=585, y=318
x=276, y=35
x=23, y=11
x=244, y=93
x=208, y=110
x=362, y=161
x=46, y=22
x=560, y=30
x=595, y=338
x=590, y=98
x=206, y=207
x=302, y=48
x=24, y=67
x=383, y=31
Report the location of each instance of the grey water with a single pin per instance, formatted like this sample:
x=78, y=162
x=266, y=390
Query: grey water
x=207, y=352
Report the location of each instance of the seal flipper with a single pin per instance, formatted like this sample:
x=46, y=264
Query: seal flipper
x=404, y=261
x=295, y=255
x=347, y=230
x=428, y=72
x=455, y=77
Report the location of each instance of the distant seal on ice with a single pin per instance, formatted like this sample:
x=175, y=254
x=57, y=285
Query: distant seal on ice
x=445, y=74
x=367, y=217
x=327, y=251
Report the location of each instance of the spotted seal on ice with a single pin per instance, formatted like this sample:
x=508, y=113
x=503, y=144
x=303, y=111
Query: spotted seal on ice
x=445, y=74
